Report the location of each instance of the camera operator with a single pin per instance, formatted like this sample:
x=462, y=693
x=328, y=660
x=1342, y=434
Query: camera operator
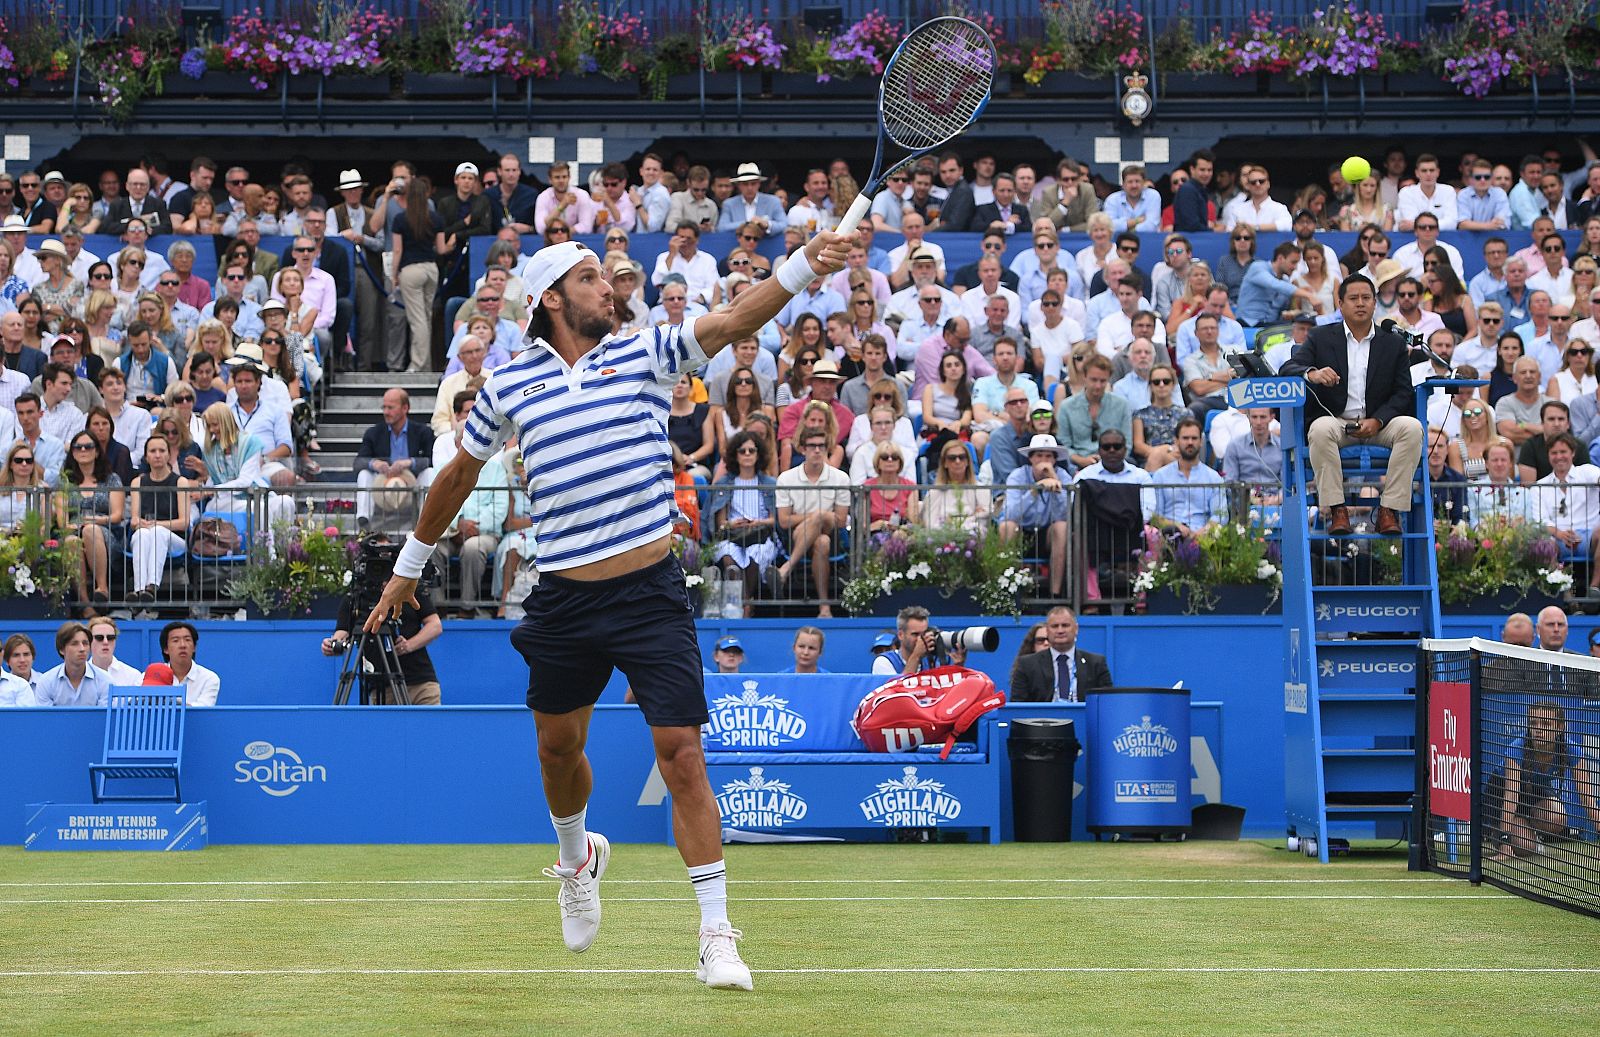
x=918, y=647
x=419, y=625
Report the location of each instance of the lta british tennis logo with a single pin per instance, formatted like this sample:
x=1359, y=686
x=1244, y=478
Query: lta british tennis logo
x=760, y=802
x=911, y=802
x=752, y=720
x=1145, y=740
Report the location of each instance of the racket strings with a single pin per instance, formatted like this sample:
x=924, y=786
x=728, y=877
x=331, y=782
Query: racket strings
x=937, y=84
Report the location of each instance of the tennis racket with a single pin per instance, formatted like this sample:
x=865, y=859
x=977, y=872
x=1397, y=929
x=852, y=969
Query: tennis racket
x=936, y=84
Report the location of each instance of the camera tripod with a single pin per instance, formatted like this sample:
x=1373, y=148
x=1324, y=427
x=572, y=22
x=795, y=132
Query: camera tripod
x=385, y=684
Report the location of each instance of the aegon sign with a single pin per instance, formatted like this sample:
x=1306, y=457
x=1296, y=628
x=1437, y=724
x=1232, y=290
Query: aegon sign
x=1267, y=392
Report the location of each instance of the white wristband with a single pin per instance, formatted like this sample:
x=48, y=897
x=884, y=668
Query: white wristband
x=796, y=274
x=413, y=558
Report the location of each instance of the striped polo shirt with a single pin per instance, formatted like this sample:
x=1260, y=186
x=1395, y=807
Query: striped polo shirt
x=593, y=438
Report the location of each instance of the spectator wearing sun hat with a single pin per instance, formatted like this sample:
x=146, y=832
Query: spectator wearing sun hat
x=749, y=204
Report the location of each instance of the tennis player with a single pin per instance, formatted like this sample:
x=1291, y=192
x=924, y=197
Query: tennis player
x=589, y=412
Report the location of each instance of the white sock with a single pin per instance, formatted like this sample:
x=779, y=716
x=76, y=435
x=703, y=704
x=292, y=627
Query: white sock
x=710, y=883
x=573, y=836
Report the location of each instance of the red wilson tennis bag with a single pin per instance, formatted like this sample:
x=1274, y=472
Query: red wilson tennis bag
x=924, y=709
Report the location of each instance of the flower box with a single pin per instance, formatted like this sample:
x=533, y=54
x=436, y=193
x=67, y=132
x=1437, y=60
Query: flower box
x=717, y=84
x=585, y=86
x=443, y=85
x=1400, y=83
x=1503, y=603
x=1074, y=84
x=40, y=86
x=805, y=85
x=212, y=84
x=1206, y=84
x=322, y=607
x=960, y=603
x=30, y=606
x=357, y=86
x=1284, y=85
x=1238, y=599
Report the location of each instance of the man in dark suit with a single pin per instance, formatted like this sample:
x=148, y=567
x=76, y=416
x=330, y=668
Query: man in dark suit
x=138, y=204
x=1005, y=210
x=1360, y=384
x=394, y=448
x=1063, y=672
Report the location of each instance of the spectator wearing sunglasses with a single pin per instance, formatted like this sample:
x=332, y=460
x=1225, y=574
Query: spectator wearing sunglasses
x=1481, y=205
x=103, y=654
x=1255, y=208
x=613, y=206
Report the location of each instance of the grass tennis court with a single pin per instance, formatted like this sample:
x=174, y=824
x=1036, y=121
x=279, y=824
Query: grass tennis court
x=941, y=939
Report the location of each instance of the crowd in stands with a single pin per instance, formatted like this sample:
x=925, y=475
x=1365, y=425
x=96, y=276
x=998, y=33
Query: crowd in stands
x=1028, y=375
x=89, y=666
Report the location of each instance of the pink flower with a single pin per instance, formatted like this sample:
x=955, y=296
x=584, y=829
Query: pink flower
x=1487, y=545
x=52, y=543
x=331, y=531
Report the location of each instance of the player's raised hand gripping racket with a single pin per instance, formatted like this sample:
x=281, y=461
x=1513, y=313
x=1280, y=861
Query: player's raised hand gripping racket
x=935, y=85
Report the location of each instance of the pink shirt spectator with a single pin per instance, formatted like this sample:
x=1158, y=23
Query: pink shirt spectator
x=320, y=292
x=927, y=366
x=627, y=215
x=579, y=216
x=195, y=292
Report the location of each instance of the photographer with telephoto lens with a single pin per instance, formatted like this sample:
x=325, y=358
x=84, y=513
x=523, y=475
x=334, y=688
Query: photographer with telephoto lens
x=921, y=646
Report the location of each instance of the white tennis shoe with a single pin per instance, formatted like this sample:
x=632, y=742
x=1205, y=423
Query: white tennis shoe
x=721, y=968
x=579, y=895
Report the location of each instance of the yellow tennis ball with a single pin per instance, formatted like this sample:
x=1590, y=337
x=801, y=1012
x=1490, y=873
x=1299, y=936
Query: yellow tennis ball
x=1355, y=169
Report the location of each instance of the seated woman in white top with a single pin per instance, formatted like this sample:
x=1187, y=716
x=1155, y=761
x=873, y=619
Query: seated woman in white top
x=1576, y=377
x=883, y=393
x=954, y=500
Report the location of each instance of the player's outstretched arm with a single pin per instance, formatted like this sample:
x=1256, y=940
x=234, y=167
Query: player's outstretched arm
x=825, y=253
x=445, y=498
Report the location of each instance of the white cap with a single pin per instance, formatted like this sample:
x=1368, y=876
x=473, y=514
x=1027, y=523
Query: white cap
x=466, y=167
x=548, y=265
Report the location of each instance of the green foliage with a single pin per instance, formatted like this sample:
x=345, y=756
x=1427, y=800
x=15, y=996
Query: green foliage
x=1223, y=553
x=295, y=564
x=950, y=559
x=1497, y=553
x=34, y=563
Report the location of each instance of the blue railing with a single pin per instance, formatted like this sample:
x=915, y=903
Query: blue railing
x=1020, y=19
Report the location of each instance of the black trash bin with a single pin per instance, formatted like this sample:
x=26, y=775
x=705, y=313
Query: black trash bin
x=1043, y=751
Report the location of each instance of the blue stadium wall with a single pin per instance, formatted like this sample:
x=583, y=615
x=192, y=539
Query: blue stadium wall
x=467, y=772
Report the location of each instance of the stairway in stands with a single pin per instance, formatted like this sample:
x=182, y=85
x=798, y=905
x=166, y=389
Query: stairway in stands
x=354, y=404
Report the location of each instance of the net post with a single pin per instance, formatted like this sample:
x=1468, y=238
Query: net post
x=1420, y=857
x=1475, y=763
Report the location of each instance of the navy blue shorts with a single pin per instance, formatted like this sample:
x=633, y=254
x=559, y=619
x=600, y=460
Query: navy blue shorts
x=576, y=631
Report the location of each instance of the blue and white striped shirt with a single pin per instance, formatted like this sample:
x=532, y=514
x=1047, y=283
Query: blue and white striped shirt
x=593, y=439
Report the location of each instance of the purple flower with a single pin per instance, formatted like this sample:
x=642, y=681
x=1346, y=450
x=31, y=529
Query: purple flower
x=894, y=550
x=1186, y=554
x=1461, y=550
x=1544, y=552
x=193, y=63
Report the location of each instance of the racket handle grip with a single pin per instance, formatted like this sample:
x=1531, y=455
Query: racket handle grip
x=852, y=216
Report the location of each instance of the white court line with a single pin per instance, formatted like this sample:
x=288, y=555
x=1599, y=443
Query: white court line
x=864, y=881
x=868, y=971
x=1483, y=895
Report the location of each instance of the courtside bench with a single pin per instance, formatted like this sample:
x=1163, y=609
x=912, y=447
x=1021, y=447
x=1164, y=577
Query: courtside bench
x=783, y=760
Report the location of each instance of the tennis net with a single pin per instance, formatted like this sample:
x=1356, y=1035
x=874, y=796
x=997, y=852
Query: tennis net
x=1510, y=780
